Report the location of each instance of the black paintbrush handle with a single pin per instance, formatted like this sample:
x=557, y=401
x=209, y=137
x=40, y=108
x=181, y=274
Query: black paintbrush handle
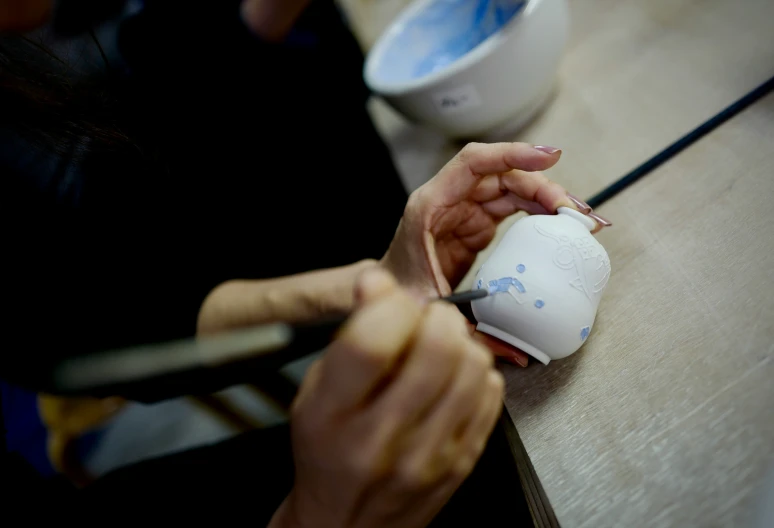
x=196, y=366
x=466, y=296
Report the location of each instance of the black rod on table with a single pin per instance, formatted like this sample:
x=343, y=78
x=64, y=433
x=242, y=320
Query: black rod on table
x=681, y=144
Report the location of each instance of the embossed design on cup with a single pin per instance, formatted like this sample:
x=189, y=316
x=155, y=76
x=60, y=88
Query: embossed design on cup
x=587, y=258
x=546, y=278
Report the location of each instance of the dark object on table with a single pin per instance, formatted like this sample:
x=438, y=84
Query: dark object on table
x=155, y=372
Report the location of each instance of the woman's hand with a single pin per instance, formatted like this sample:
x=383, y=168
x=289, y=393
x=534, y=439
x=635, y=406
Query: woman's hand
x=454, y=215
x=393, y=418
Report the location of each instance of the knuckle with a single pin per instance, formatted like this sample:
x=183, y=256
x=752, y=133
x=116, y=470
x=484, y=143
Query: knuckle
x=481, y=363
x=469, y=149
x=555, y=188
x=496, y=383
x=316, y=305
x=481, y=358
x=434, y=332
x=448, y=315
x=371, y=358
x=364, y=466
x=412, y=477
x=414, y=202
x=439, y=344
x=366, y=359
x=367, y=459
x=444, y=332
x=419, y=391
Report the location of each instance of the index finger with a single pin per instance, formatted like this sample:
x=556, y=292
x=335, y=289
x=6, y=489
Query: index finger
x=458, y=178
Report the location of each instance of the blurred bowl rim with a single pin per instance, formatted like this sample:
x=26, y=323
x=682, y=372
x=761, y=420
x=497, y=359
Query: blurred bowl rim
x=485, y=48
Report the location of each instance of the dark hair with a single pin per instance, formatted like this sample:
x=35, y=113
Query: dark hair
x=46, y=103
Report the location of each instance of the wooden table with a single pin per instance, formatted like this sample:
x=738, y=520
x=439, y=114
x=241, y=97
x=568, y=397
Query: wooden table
x=666, y=416
x=636, y=76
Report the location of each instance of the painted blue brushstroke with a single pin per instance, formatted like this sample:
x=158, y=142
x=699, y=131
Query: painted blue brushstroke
x=585, y=332
x=503, y=285
x=444, y=32
x=480, y=13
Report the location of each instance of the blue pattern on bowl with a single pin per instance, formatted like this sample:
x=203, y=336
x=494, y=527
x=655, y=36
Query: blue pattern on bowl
x=443, y=32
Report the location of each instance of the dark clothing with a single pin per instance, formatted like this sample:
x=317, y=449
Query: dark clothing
x=257, y=161
x=268, y=165
x=244, y=160
x=247, y=478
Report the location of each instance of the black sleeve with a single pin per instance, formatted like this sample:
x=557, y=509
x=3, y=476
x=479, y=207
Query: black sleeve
x=85, y=279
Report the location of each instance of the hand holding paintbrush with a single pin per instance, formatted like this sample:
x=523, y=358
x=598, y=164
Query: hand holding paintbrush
x=195, y=358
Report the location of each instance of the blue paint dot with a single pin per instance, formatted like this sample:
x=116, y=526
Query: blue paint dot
x=520, y=268
x=539, y=303
x=585, y=332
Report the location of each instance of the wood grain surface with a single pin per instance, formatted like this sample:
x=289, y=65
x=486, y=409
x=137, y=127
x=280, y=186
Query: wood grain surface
x=666, y=416
x=636, y=76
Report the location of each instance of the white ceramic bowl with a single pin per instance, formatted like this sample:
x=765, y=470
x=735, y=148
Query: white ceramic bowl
x=470, y=67
x=546, y=278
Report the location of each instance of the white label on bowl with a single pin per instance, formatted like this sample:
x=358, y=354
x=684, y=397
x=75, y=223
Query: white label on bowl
x=457, y=99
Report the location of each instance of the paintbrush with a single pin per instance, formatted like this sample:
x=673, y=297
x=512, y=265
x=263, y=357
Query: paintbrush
x=203, y=364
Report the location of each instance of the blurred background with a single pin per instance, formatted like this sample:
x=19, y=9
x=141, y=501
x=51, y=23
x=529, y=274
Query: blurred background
x=634, y=76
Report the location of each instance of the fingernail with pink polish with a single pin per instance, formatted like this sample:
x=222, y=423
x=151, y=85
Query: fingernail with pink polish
x=582, y=206
x=547, y=150
x=600, y=219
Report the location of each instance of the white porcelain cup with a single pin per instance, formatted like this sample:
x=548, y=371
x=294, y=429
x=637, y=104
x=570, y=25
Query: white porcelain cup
x=546, y=278
x=470, y=68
